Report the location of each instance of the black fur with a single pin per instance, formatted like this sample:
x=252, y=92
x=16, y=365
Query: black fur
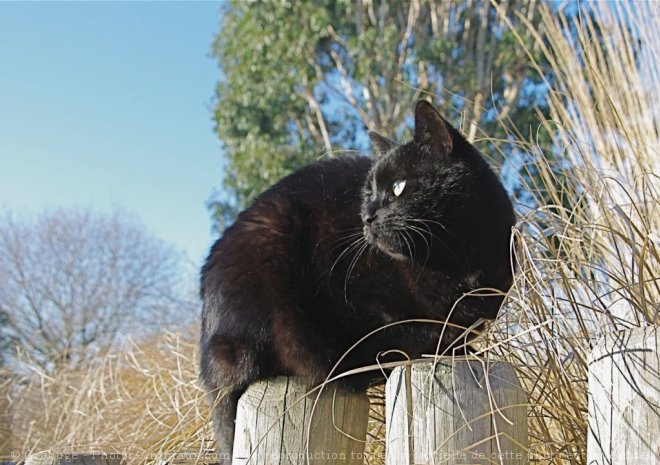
x=330, y=253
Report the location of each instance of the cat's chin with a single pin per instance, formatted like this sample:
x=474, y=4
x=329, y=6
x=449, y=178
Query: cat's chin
x=394, y=255
x=383, y=247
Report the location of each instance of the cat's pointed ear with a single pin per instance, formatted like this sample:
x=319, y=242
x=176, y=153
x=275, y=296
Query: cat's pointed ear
x=432, y=130
x=382, y=144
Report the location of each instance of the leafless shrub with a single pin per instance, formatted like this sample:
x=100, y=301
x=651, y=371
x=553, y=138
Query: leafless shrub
x=72, y=283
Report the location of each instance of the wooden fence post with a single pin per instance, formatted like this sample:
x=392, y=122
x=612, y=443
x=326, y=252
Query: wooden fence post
x=624, y=398
x=276, y=423
x=456, y=416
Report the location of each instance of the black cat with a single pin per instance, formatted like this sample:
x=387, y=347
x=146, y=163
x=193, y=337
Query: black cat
x=347, y=245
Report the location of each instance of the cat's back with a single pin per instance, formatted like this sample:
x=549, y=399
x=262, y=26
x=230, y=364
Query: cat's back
x=323, y=183
x=277, y=230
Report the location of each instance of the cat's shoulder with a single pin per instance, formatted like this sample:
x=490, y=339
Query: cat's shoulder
x=284, y=209
x=340, y=167
x=322, y=177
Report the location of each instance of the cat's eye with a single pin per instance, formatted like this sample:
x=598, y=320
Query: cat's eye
x=398, y=186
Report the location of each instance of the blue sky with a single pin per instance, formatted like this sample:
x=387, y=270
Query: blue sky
x=106, y=105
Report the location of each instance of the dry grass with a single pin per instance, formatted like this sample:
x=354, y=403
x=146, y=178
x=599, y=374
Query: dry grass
x=588, y=256
x=145, y=402
x=589, y=241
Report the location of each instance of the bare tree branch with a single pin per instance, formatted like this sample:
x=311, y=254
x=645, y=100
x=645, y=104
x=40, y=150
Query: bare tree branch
x=74, y=283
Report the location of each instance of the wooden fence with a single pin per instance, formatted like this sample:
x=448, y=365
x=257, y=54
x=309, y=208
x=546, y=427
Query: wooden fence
x=624, y=399
x=451, y=412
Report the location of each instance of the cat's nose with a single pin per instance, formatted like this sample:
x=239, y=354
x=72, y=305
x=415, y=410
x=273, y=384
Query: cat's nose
x=370, y=213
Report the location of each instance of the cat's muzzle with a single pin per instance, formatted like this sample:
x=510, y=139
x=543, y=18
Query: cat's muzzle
x=381, y=241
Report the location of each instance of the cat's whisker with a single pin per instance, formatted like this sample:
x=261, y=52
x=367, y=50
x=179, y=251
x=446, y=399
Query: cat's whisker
x=428, y=249
x=401, y=234
x=442, y=225
x=339, y=235
x=352, y=266
x=421, y=232
x=446, y=247
x=426, y=231
x=413, y=253
x=334, y=245
x=338, y=239
x=425, y=222
x=341, y=231
x=414, y=246
x=427, y=244
x=344, y=253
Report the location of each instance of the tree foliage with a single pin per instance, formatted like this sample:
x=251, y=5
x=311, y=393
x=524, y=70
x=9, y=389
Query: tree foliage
x=306, y=79
x=73, y=283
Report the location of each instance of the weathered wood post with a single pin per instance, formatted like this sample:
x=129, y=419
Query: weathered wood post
x=624, y=398
x=465, y=412
x=277, y=423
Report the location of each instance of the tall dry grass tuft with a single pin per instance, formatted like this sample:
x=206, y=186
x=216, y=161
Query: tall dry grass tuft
x=144, y=402
x=589, y=239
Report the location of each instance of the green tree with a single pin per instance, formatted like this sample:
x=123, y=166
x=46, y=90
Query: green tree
x=306, y=79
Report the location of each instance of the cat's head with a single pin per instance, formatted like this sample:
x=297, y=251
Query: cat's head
x=411, y=186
